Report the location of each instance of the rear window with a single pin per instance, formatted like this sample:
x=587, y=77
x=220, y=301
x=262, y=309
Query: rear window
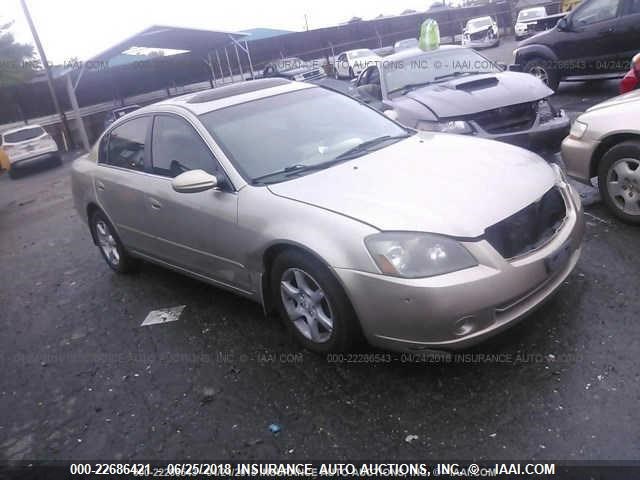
x=23, y=135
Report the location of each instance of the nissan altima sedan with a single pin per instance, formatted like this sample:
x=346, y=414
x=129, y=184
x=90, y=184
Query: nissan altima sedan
x=344, y=222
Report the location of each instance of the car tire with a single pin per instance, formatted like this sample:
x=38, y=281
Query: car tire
x=109, y=244
x=336, y=74
x=352, y=75
x=542, y=68
x=621, y=165
x=14, y=173
x=312, y=304
x=57, y=160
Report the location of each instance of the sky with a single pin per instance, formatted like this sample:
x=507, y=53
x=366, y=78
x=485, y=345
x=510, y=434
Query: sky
x=82, y=28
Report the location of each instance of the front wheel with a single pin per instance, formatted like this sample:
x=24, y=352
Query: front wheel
x=543, y=70
x=312, y=303
x=619, y=181
x=352, y=75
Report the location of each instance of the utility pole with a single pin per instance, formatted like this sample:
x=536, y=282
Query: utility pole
x=45, y=64
x=306, y=22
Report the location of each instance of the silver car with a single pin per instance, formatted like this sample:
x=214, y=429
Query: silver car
x=326, y=211
x=605, y=143
x=456, y=90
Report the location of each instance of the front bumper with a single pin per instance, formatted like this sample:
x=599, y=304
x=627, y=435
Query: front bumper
x=545, y=136
x=577, y=155
x=421, y=314
x=485, y=42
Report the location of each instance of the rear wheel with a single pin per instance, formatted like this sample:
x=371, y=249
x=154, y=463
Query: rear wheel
x=109, y=244
x=619, y=181
x=351, y=73
x=545, y=71
x=312, y=303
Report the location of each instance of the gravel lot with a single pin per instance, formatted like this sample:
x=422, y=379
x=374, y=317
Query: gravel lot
x=83, y=380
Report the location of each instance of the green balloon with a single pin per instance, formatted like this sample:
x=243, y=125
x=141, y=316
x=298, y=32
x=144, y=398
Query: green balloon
x=429, y=35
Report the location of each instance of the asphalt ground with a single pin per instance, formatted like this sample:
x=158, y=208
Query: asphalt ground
x=83, y=380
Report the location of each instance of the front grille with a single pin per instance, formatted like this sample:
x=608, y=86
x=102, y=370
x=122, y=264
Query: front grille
x=508, y=119
x=313, y=73
x=530, y=228
x=479, y=35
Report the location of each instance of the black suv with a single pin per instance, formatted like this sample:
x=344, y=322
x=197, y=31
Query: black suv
x=595, y=41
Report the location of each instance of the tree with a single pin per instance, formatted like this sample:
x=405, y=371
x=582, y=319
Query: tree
x=17, y=60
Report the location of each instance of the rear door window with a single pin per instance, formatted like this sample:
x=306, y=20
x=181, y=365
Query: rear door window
x=126, y=145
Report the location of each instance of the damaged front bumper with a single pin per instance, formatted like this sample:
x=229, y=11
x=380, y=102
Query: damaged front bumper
x=544, y=135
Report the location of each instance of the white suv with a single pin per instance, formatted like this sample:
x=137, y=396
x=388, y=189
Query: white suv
x=28, y=145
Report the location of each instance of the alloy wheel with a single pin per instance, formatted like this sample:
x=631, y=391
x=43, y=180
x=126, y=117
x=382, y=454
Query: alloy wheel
x=540, y=73
x=623, y=185
x=107, y=243
x=306, y=305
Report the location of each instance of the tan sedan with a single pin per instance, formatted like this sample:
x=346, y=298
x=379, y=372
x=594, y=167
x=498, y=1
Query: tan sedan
x=333, y=215
x=605, y=142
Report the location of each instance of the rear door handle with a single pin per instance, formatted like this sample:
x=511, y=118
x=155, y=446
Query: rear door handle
x=155, y=204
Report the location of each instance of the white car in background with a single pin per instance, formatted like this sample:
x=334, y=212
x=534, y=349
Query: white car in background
x=28, y=145
x=405, y=44
x=481, y=32
x=526, y=18
x=351, y=63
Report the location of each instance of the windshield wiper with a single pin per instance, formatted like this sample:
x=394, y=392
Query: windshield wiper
x=456, y=74
x=358, y=150
x=364, y=147
x=412, y=86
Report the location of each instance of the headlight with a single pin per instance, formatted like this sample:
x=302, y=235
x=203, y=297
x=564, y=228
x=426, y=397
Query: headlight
x=578, y=129
x=417, y=255
x=546, y=111
x=454, y=126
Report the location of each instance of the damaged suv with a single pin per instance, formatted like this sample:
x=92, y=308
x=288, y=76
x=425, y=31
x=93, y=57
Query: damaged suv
x=456, y=90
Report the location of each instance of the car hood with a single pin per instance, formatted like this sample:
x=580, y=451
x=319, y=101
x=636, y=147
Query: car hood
x=631, y=97
x=440, y=183
x=479, y=93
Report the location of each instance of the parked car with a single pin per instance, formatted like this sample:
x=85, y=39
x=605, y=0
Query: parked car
x=481, y=32
x=595, y=41
x=605, y=143
x=460, y=241
x=28, y=145
x=456, y=90
x=404, y=44
x=293, y=69
x=525, y=18
x=349, y=64
x=116, y=113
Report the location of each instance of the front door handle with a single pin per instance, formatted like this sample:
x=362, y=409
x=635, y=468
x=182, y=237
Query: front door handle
x=155, y=204
x=100, y=186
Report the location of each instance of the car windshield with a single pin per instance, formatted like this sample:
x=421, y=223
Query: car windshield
x=531, y=14
x=479, y=23
x=23, y=135
x=290, y=64
x=294, y=131
x=361, y=53
x=431, y=67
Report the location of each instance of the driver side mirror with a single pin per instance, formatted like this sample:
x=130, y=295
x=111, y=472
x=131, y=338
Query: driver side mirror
x=194, y=181
x=564, y=25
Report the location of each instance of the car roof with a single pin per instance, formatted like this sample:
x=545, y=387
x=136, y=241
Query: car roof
x=227, y=95
x=23, y=127
x=128, y=107
x=412, y=52
x=486, y=17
